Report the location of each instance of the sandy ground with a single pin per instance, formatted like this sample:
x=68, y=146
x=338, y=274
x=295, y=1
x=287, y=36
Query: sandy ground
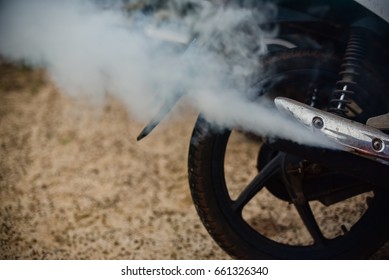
x=75, y=184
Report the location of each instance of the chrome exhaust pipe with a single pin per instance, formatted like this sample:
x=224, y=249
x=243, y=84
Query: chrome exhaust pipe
x=347, y=135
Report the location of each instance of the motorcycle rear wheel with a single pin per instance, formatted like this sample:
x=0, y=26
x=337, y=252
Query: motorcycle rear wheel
x=268, y=226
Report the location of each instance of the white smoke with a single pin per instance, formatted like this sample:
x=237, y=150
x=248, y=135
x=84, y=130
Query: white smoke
x=94, y=47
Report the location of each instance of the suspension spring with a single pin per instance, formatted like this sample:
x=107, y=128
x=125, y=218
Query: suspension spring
x=352, y=67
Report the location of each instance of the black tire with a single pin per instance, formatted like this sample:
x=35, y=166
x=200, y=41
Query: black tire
x=238, y=236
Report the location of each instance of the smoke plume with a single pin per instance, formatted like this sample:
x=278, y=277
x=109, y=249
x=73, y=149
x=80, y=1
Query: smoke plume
x=149, y=53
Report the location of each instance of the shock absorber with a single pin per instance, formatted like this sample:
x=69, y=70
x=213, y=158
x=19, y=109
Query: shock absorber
x=352, y=67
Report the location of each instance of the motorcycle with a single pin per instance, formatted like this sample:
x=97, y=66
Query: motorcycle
x=326, y=70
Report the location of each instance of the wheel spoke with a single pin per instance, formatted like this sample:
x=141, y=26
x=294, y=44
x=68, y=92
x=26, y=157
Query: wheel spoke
x=294, y=185
x=257, y=183
x=310, y=222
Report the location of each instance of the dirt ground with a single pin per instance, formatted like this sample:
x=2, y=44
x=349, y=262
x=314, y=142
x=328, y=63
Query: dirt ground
x=75, y=184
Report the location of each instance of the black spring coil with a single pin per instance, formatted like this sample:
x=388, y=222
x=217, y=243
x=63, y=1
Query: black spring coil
x=352, y=65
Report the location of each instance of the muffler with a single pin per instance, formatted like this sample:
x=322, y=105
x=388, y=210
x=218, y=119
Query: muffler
x=346, y=134
x=360, y=151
